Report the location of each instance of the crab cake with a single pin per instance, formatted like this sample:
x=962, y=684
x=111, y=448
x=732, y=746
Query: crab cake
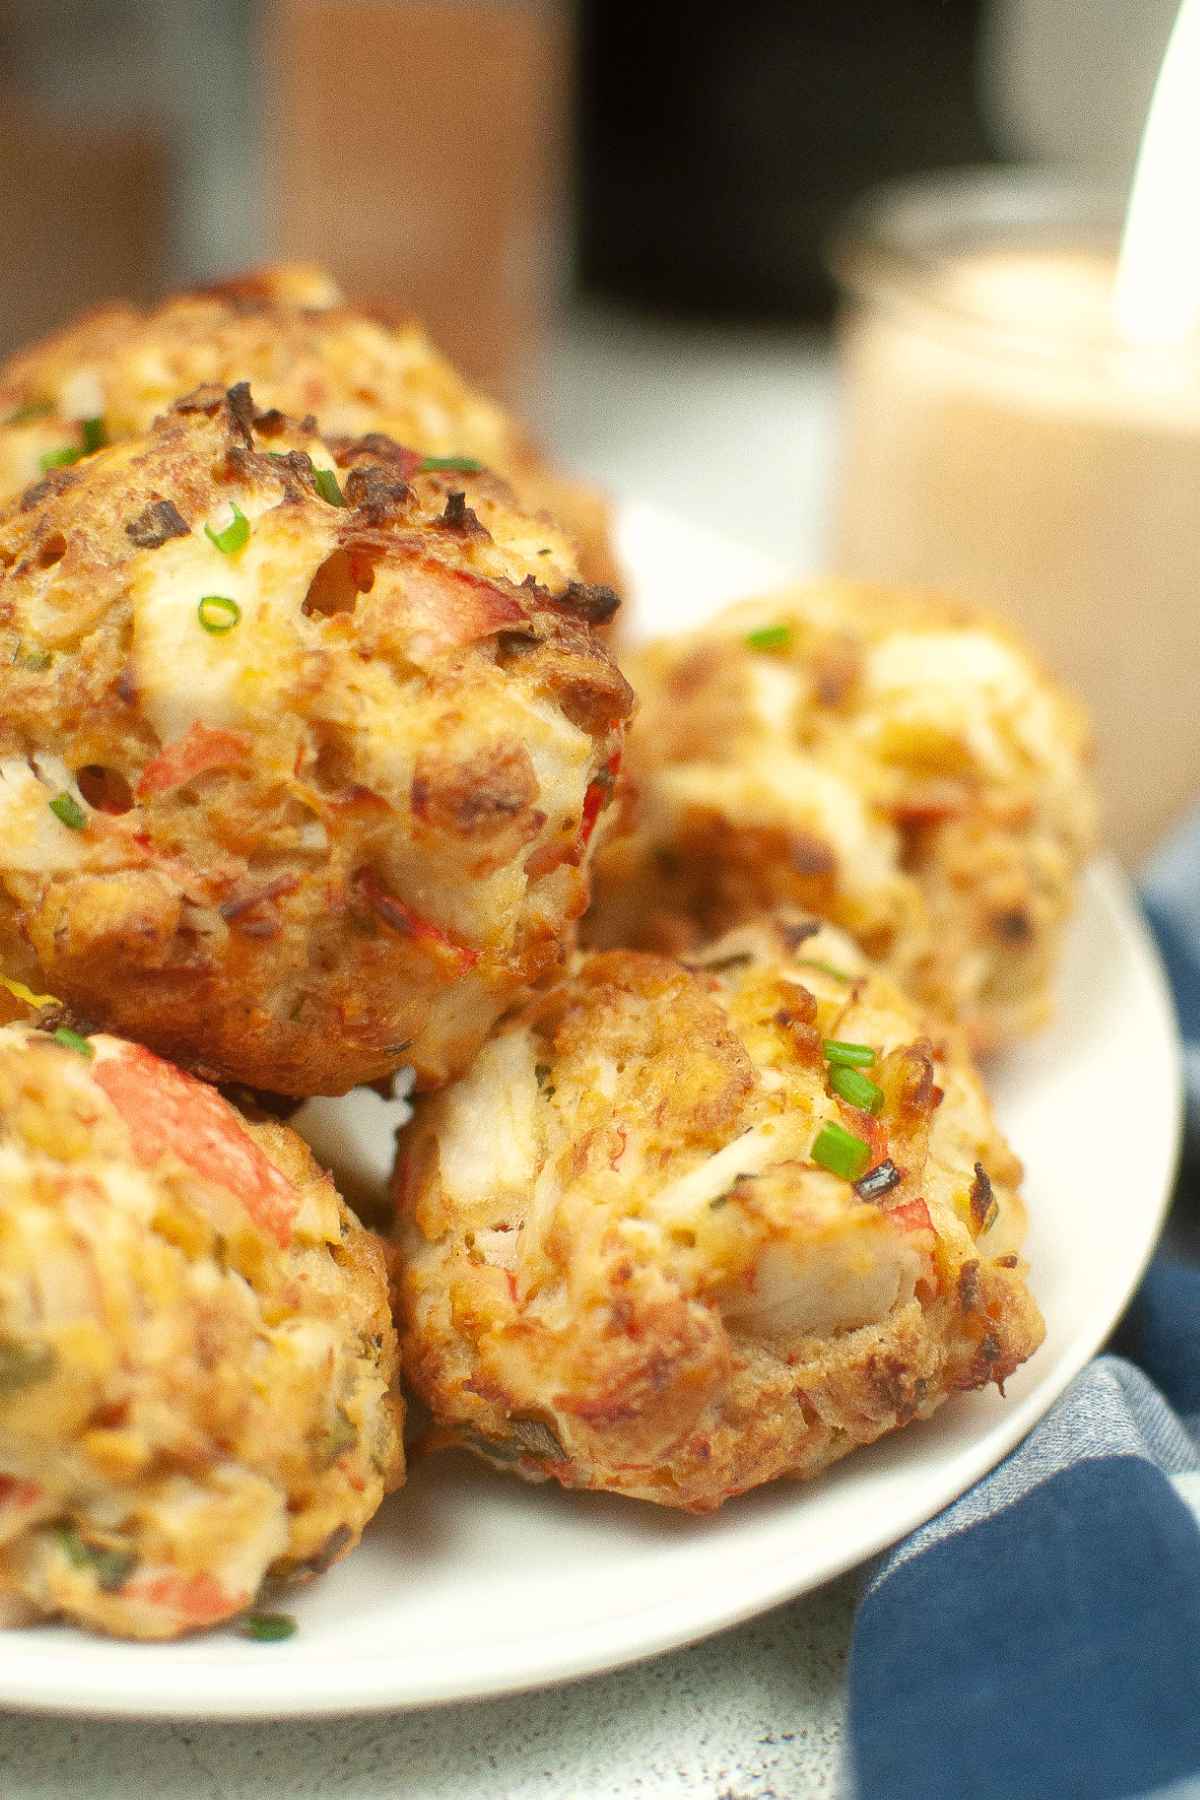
x=301, y=748
x=198, y=1369
x=687, y=1227
x=289, y=332
x=891, y=760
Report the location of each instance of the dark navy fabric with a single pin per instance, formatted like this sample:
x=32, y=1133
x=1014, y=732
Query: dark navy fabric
x=1161, y=1332
x=1053, y=1649
x=1041, y=1638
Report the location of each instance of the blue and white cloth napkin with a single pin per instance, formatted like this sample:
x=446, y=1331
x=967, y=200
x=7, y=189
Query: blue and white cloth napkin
x=1040, y=1640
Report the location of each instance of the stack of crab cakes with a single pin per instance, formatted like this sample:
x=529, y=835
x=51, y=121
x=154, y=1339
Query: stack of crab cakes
x=312, y=762
x=727, y=1199
x=307, y=740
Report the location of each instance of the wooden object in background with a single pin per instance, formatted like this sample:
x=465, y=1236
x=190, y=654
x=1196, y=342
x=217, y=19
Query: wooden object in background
x=419, y=148
x=83, y=217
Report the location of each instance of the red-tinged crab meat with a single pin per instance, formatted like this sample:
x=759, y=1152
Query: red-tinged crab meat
x=449, y=608
x=192, y=1599
x=201, y=749
x=170, y=1113
x=18, y=1494
x=913, y=1215
x=408, y=923
x=599, y=793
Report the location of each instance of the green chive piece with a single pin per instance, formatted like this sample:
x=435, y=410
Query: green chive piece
x=825, y=968
x=36, y=661
x=341, y=1436
x=848, y=1056
x=327, y=487
x=94, y=435
x=112, y=1568
x=464, y=465
x=267, y=1627
x=839, y=1151
x=23, y=1364
x=67, y=808
x=59, y=459
x=25, y=415
x=71, y=1040
x=234, y=534
x=770, y=637
x=855, y=1087
x=218, y=614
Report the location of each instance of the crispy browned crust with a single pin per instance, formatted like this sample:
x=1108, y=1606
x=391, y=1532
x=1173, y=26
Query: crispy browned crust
x=201, y=1370
x=946, y=835
x=374, y=869
x=569, y=1310
x=288, y=331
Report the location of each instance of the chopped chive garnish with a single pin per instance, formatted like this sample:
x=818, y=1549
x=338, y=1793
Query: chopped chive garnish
x=218, y=614
x=71, y=1040
x=839, y=1151
x=855, y=1088
x=267, y=1627
x=24, y=1364
x=33, y=660
x=24, y=415
x=234, y=534
x=59, y=459
x=465, y=465
x=848, y=1056
x=112, y=1568
x=770, y=637
x=94, y=435
x=814, y=962
x=68, y=809
x=327, y=487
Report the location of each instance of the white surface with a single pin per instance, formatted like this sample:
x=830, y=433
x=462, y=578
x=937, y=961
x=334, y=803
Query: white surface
x=728, y=429
x=469, y=1584
x=1157, y=298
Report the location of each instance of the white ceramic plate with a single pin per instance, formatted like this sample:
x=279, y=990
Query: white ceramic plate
x=470, y=1584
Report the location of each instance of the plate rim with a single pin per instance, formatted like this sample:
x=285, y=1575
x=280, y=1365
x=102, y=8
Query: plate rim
x=360, y=1686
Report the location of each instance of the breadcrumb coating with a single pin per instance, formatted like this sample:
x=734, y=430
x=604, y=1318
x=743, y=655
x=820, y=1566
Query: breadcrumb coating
x=289, y=332
x=889, y=758
x=198, y=1368
x=302, y=747
x=623, y=1265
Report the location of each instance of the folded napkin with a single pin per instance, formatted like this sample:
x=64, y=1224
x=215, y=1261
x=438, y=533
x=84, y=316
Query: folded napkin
x=1041, y=1637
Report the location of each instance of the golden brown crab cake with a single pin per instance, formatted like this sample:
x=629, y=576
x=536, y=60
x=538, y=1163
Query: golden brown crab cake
x=198, y=1367
x=685, y=1227
x=301, y=749
x=289, y=332
x=892, y=760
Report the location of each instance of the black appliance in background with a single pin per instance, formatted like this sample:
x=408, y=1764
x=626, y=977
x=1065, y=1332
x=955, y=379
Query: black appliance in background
x=720, y=141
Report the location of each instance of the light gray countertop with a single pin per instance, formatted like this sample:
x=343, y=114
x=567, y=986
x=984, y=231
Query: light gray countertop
x=752, y=1715
x=734, y=432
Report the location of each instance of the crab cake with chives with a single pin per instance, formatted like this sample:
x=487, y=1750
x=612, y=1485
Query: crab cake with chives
x=302, y=749
x=289, y=332
x=686, y=1227
x=198, y=1368
x=891, y=759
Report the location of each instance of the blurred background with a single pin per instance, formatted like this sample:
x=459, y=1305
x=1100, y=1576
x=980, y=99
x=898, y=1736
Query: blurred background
x=491, y=162
x=615, y=215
